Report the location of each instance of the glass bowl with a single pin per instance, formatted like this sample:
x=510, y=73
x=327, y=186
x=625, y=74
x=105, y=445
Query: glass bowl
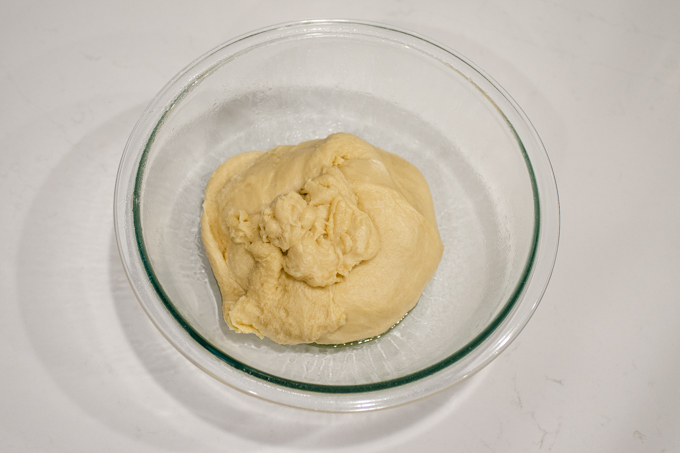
x=493, y=188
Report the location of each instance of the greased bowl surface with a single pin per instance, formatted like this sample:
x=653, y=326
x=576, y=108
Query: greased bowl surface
x=492, y=185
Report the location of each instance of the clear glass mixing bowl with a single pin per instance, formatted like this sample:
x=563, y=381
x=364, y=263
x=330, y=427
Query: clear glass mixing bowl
x=493, y=188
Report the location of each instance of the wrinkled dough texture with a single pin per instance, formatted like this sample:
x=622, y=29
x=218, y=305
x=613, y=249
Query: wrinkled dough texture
x=330, y=241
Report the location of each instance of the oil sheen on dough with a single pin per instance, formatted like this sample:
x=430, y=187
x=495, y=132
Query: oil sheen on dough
x=330, y=241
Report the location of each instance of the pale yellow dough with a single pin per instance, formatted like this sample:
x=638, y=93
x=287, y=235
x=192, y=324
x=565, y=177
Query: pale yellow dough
x=329, y=241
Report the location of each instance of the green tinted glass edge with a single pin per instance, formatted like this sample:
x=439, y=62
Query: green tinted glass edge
x=319, y=388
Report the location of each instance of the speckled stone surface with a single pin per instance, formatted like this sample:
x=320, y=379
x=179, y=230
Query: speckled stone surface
x=596, y=369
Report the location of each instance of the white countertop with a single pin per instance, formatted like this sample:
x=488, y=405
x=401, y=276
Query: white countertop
x=596, y=369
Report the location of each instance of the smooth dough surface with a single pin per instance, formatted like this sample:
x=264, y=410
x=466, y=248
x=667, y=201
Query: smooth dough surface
x=329, y=241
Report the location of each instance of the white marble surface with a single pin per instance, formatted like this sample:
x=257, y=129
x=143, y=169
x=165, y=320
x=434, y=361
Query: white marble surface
x=596, y=369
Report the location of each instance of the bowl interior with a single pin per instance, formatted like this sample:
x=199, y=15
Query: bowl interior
x=393, y=93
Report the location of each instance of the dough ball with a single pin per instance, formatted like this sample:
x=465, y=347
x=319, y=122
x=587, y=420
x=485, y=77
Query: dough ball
x=330, y=241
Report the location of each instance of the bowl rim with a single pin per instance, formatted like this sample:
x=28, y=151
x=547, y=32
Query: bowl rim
x=130, y=227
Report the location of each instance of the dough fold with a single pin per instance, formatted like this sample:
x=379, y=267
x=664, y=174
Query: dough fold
x=329, y=241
